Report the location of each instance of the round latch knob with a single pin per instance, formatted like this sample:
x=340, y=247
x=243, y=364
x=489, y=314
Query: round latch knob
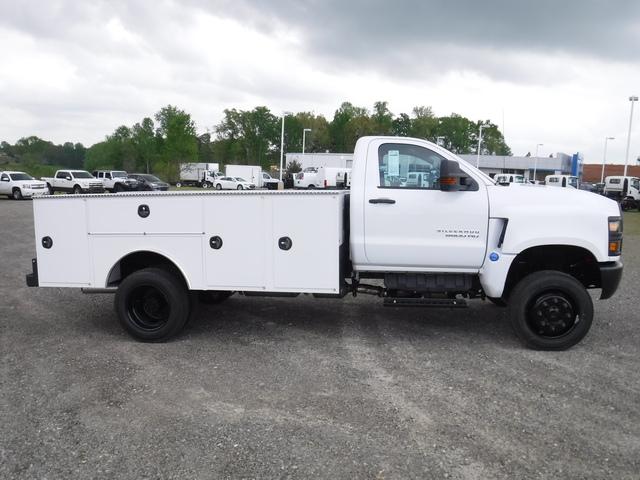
x=285, y=243
x=144, y=211
x=215, y=242
x=47, y=242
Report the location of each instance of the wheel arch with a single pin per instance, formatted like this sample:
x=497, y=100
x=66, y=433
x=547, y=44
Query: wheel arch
x=141, y=259
x=579, y=262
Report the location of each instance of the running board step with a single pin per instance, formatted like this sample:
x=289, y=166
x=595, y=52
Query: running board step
x=425, y=302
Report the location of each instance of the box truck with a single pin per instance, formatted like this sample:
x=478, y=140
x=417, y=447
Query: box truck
x=198, y=174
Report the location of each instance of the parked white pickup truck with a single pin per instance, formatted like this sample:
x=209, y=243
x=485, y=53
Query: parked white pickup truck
x=458, y=234
x=73, y=181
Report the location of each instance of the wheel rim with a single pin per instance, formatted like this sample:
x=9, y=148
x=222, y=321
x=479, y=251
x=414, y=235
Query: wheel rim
x=552, y=315
x=218, y=187
x=16, y=194
x=148, y=308
x=239, y=187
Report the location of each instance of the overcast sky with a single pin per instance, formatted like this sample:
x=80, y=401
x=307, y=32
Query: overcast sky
x=552, y=72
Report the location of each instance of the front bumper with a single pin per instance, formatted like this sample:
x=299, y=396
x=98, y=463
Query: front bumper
x=33, y=192
x=610, y=276
x=93, y=189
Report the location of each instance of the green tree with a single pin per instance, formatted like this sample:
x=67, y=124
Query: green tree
x=176, y=133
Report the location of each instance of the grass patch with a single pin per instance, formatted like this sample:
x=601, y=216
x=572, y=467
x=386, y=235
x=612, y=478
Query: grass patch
x=35, y=171
x=631, y=221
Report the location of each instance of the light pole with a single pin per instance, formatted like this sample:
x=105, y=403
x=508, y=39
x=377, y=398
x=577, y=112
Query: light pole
x=479, y=144
x=632, y=99
x=304, y=133
x=604, y=158
x=535, y=162
x=284, y=114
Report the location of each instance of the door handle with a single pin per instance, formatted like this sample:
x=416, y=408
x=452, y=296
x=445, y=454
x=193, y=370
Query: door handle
x=382, y=200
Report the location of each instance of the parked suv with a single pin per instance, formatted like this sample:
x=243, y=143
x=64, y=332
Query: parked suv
x=19, y=185
x=116, y=180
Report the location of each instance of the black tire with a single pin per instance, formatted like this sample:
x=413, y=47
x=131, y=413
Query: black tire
x=178, y=184
x=213, y=297
x=218, y=186
x=17, y=194
x=77, y=190
x=239, y=187
x=311, y=186
x=550, y=310
x=117, y=188
x=206, y=185
x=51, y=190
x=152, y=305
x=498, y=302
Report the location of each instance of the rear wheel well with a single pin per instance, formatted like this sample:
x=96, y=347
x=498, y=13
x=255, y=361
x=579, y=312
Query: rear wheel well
x=575, y=261
x=140, y=260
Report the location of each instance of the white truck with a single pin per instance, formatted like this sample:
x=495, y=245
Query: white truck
x=507, y=178
x=116, y=180
x=252, y=174
x=566, y=181
x=333, y=177
x=198, y=175
x=625, y=190
x=307, y=178
x=535, y=249
x=19, y=185
x=73, y=181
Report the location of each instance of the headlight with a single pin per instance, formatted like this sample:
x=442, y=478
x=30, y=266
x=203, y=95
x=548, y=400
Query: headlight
x=615, y=236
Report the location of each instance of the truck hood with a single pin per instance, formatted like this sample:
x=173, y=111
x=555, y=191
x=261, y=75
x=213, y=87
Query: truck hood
x=542, y=215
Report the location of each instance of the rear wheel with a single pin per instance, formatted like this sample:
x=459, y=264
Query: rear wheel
x=311, y=186
x=152, y=305
x=239, y=187
x=118, y=188
x=218, y=187
x=178, y=184
x=206, y=185
x=17, y=194
x=51, y=190
x=550, y=310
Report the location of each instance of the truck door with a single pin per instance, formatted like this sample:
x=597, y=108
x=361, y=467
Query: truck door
x=419, y=226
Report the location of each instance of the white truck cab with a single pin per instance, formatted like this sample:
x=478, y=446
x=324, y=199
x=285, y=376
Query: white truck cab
x=19, y=185
x=507, y=178
x=625, y=190
x=453, y=234
x=566, y=181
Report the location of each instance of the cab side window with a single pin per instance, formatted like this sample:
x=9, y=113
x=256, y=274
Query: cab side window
x=408, y=167
x=4, y=177
x=62, y=175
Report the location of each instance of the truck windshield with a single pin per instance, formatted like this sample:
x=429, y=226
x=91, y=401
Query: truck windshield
x=20, y=176
x=81, y=174
x=119, y=174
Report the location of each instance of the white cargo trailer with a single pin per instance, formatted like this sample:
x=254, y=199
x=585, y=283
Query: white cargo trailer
x=251, y=173
x=427, y=242
x=333, y=177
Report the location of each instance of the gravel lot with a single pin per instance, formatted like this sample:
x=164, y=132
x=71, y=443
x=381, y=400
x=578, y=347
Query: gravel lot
x=308, y=388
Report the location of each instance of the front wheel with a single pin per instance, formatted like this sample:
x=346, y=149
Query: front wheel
x=239, y=187
x=152, y=305
x=206, y=185
x=51, y=190
x=77, y=190
x=17, y=194
x=218, y=187
x=550, y=310
x=118, y=188
x=178, y=184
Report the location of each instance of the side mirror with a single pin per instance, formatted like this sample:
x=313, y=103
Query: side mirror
x=68, y=178
x=452, y=178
